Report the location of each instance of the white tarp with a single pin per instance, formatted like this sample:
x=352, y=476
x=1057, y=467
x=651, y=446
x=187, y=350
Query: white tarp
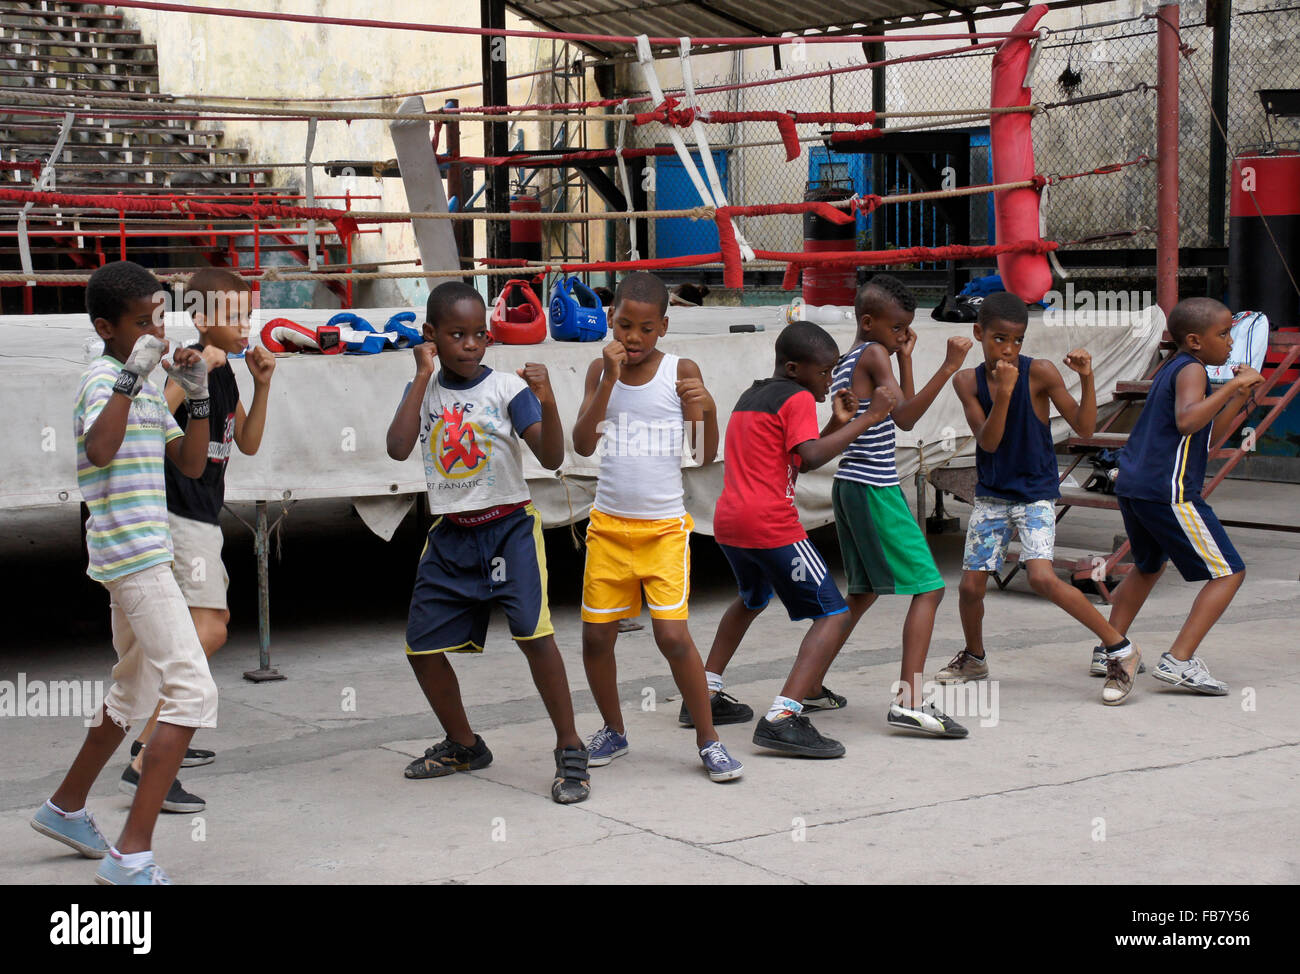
x=329, y=415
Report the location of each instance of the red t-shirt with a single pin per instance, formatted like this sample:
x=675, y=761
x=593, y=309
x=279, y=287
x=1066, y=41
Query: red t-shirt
x=756, y=508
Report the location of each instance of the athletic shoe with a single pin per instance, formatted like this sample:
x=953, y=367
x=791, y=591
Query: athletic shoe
x=81, y=833
x=449, y=757
x=825, y=700
x=796, y=735
x=963, y=668
x=720, y=765
x=572, y=782
x=726, y=710
x=111, y=872
x=178, y=799
x=1120, y=672
x=1191, y=675
x=194, y=756
x=928, y=719
x=1099, y=657
x=605, y=745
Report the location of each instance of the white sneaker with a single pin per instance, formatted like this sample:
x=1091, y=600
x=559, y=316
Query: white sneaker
x=926, y=718
x=1191, y=675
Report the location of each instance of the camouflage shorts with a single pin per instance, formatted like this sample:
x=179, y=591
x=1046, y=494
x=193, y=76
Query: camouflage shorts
x=992, y=522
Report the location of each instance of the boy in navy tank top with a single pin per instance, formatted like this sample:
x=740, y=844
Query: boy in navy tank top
x=1161, y=470
x=639, y=411
x=1006, y=400
x=884, y=551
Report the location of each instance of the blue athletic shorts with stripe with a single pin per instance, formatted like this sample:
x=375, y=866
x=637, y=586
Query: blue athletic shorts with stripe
x=1187, y=534
x=464, y=571
x=795, y=572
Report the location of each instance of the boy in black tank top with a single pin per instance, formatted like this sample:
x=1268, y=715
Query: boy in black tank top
x=1006, y=400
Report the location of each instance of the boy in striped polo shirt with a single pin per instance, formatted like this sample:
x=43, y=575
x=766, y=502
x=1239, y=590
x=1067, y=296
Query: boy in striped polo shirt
x=884, y=551
x=1161, y=469
x=124, y=430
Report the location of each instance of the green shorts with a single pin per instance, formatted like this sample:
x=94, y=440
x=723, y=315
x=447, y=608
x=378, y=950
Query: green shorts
x=883, y=547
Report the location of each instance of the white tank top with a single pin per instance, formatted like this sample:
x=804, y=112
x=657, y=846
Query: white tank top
x=641, y=449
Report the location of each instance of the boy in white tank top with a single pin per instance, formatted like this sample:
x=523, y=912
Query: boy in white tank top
x=642, y=409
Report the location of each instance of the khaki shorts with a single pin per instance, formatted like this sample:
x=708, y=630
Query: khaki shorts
x=197, y=565
x=158, y=654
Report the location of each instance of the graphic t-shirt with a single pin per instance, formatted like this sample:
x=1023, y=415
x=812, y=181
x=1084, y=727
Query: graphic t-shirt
x=756, y=508
x=127, y=530
x=200, y=498
x=469, y=438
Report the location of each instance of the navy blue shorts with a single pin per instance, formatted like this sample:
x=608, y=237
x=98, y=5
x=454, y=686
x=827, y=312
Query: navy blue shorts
x=464, y=571
x=1187, y=534
x=795, y=572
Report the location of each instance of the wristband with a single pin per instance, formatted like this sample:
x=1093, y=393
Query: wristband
x=128, y=384
x=199, y=408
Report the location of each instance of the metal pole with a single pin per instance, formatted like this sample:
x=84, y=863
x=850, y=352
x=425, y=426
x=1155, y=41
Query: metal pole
x=1167, y=42
x=1219, y=14
x=496, y=135
x=876, y=52
x=265, y=671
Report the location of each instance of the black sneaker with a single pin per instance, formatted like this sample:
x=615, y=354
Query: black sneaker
x=726, y=710
x=572, y=782
x=825, y=700
x=178, y=800
x=194, y=756
x=796, y=735
x=449, y=757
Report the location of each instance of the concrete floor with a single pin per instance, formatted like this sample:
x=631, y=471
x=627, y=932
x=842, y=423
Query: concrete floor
x=1053, y=787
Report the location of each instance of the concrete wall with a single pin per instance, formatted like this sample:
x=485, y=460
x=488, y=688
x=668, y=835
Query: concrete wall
x=212, y=57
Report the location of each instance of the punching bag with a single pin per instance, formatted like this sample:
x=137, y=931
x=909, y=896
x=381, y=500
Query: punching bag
x=1012, y=146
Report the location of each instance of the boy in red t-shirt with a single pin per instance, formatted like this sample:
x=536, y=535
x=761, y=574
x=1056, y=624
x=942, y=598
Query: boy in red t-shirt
x=771, y=436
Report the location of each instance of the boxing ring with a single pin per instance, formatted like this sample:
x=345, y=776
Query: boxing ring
x=328, y=415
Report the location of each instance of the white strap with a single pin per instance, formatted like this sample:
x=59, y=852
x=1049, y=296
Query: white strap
x=633, y=253
x=43, y=183
x=702, y=140
x=1042, y=235
x=311, y=195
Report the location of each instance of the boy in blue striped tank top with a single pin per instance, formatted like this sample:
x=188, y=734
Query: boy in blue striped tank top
x=884, y=551
x=1007, y=399
x=1161, y=470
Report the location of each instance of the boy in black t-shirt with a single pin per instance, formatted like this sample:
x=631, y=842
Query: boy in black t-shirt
x=218, y=301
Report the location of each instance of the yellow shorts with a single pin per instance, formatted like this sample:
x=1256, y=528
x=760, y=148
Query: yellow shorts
x=625, y=554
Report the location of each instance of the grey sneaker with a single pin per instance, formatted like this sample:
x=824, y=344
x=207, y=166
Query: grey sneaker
x=111, y=872
x=1099, y=656
x=1191, y=675
x=963, y=668
x=81, y=833
x=1120, y=671
x=928, y=719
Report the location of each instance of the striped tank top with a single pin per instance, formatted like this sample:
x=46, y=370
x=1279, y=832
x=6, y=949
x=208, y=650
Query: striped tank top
x=870, y=458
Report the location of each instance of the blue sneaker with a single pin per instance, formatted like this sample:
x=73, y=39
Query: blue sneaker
x=111, y=872
x=605, y=745
x=720, y=765
x=81, y=834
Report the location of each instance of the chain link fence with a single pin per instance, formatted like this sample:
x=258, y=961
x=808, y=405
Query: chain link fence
x=1107, y=73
